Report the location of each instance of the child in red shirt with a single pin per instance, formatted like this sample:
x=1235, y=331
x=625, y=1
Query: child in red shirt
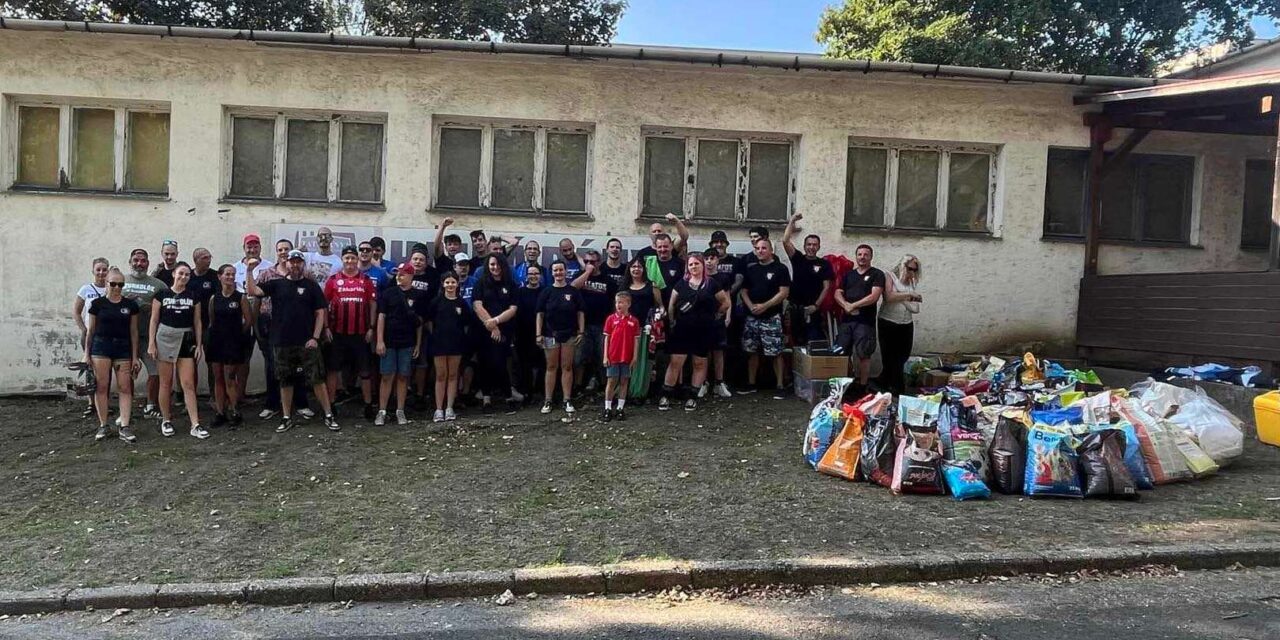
x=621, y=331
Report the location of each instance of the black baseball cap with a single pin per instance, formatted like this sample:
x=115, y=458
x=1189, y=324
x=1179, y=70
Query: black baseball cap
x=719, y=236
x=349, y=249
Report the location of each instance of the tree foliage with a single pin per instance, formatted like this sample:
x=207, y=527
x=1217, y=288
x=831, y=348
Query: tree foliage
x=542, y=21
x=1115, y=37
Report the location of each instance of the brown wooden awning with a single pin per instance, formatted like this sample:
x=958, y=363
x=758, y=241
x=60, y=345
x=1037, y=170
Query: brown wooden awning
x=1245, y=104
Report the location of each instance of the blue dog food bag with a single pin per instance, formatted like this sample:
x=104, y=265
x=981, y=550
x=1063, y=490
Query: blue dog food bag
x=1052, y=465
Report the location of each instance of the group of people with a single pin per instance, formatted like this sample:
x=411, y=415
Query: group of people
x=450, y=326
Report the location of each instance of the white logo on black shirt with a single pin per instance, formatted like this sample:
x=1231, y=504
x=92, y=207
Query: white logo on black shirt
x=817, y=268
x=768, y=276
x=124, y=311
x=301, y=290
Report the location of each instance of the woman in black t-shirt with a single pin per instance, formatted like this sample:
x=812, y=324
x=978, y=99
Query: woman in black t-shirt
x=176, y=333
x=229, y=335
x=111, y=345
x=644, y=296
x=447, y=319
x=559, y=328
x=697, y=304
x=494, y=303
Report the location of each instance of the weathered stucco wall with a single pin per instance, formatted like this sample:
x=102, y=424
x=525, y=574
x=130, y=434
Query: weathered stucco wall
x=978, y=291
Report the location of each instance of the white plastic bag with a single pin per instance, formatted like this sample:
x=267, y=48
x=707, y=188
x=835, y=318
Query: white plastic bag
x=1212, y=427
x=1161, y=399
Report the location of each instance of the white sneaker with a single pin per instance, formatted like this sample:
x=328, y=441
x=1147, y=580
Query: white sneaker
x=516, y=396
x=450, y=415
x=723, y=391
x=381, y=419
x=568, y=408
x=198, y=431
x=267, y=414
x=166, y=428
x=306, y=413
x=402, y=419
x=702, y=391
x=438, y=416
x=546, y=408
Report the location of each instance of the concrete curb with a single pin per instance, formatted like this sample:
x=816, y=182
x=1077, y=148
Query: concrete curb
x=638, y=576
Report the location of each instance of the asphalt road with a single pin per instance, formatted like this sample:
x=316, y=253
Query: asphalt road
x=1219, y=604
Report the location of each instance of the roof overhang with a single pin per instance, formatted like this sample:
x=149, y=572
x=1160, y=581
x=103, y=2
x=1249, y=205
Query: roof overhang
x=1244, y=104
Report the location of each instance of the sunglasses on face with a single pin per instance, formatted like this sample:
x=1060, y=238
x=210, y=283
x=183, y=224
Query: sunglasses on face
x=115, y=284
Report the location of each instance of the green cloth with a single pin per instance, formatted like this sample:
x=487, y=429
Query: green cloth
x=654, y=271
x=639, y=384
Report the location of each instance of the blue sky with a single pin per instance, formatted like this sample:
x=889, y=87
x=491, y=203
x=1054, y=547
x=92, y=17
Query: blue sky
x=774, y=25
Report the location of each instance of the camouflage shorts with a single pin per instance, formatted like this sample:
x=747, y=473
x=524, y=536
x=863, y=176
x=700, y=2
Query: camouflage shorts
x=763, y=335
x=299, y=365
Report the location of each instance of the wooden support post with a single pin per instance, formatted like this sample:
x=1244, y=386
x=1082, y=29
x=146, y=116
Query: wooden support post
x=1099, y=134
x=1275, y=208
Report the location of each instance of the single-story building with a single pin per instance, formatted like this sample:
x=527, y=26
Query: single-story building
x=116, y=136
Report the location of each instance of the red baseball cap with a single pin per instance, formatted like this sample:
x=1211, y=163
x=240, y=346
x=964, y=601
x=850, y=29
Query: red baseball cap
x=251, y=237
x=406, y=267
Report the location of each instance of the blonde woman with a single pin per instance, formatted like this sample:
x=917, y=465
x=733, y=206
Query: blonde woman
x=896, y=322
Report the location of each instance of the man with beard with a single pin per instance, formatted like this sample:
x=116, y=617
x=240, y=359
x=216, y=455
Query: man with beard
x=203, y=282
x=142, y=289
x=353, y=313
x=765, y=286
x=298, y=317
x=597, y=290
x=859, y=295
x=811, y=278
x=669, y=264
x=613, y=266
x=323, y=263
x=656, y=229
x=169, y=258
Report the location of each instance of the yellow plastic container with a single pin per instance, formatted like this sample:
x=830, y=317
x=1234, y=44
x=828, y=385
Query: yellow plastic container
x=1266, y=414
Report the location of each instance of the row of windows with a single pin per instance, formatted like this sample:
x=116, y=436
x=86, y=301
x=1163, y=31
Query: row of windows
x=526, y=167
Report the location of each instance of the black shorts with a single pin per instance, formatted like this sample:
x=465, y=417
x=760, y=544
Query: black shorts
x=857, y=339
x=346, y=352
x=113, y=349
x=719, y=336
x=233, y=349
x=691, y=339
x=299, y=364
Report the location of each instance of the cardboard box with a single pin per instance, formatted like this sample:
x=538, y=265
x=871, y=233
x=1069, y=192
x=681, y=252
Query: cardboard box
x=819, y=367
x=934, y=378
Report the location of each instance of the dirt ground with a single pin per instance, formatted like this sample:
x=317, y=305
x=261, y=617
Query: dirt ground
x=519, y=489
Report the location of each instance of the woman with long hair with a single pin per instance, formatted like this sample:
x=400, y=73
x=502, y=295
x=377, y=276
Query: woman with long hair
x=447, y=319
x=560, y=325
x=644, y=296
x=91, y=291
x=896, y=322
x=494, y=303
x=111, y=346
x=176, y=330
x=230, y=331
x=697, y=303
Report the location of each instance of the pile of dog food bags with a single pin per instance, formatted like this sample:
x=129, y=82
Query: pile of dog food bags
x=1025, y=428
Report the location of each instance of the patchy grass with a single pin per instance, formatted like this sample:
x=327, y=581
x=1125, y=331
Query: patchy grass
x=517, y=490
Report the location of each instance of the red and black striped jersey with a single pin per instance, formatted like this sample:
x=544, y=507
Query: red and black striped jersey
x=350, y=299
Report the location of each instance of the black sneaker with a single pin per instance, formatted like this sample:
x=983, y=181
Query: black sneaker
x=235, y=419
x=286, y=423
x=126, y=434
x=607, y=415
x=620, y=415
x=664, y=404
x=370, y=412
x=219, y=420
x=89, y=412
x=749, y=389
x=780, y=394
x=332, y=423
x=690, y=404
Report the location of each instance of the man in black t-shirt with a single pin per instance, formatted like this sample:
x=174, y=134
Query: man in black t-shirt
x=765, y=285
x=597, y=303
x=203, y=282
x=811, y=278
x=614, y=266
x=858, y=295
x=445, y=246
x=679, y=245
x=670, y=264
x=298, y=314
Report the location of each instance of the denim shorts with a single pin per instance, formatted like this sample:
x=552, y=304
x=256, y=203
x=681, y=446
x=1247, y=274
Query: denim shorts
x=397, y=362
x=117, y=350
x=622, y=370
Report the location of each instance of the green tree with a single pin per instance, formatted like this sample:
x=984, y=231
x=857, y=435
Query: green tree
x=269, y=15
x=542, y=21
x=1113, y=37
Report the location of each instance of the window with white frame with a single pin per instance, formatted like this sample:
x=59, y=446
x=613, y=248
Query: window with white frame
x=718, y=175
x=96, y=147
x=920, y=186
x=512, y=166
x=305, y=156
